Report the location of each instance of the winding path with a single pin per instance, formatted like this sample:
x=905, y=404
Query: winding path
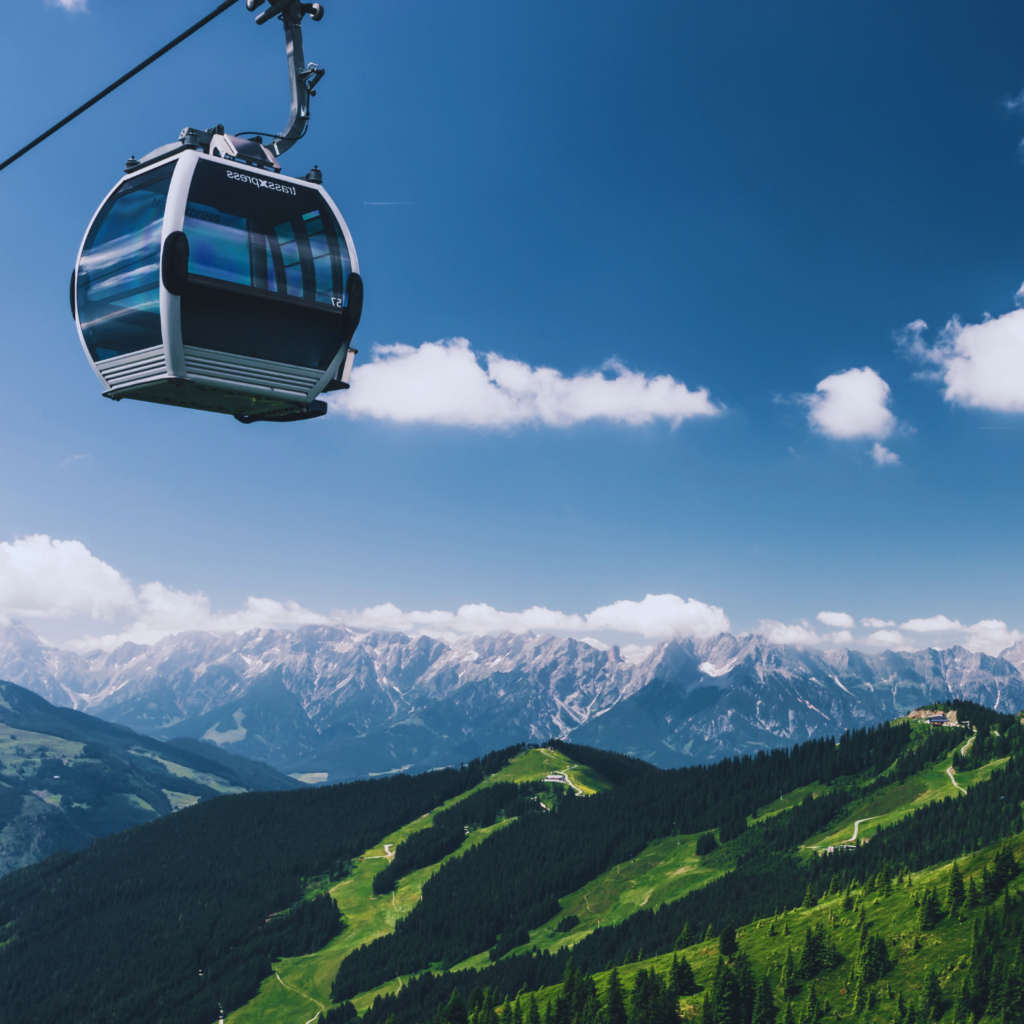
x=860, y=821
x=566, y=770
x=952, y=778
x=299, y=992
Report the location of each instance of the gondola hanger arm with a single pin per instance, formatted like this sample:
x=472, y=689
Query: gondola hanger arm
x=302, y=79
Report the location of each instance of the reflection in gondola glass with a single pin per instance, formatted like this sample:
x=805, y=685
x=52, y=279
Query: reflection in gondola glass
x=119, y=272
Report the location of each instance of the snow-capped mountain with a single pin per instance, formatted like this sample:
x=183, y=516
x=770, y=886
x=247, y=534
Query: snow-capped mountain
x=326, y=699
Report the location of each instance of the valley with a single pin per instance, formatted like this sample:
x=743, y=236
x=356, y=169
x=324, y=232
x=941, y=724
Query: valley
x=67, y=777
x=537, y=871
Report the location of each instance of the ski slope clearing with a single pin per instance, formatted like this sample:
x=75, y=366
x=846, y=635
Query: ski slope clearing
x=366, y=917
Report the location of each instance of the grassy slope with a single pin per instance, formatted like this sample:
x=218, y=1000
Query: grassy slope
x=889, y=805
x=894, y=916
x=535, y=764
x=302, y=985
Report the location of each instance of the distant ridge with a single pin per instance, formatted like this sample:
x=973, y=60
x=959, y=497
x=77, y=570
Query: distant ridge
x=67, y=777
x=326, y=699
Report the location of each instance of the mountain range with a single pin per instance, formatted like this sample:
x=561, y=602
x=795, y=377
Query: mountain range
x=331, y=703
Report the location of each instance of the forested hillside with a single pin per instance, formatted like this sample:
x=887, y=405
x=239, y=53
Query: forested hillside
x=383, y=898
x=175, y=919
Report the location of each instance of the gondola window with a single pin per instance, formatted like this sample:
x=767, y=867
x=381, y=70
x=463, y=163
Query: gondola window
x=119, y=274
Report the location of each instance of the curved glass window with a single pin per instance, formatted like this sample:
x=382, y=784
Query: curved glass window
x=119, y=273
x=268, y=266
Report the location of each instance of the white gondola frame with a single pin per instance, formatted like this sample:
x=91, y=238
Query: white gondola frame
x=174, y=356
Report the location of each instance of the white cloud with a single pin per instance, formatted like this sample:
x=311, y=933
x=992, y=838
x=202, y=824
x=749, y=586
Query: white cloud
x=981, y=365
x=842, y=636
x=632, y=653
x=59, y=579
x=838, y=619
x=162, y=611
x=444, y=382
x=661, y=615
x=890, y=638
x=882, y=455
x=68, y=5
x=656, y=616
x=851, y=404
x=785, y=633
x=935, y=624
x=870, y=623
x=991, y=636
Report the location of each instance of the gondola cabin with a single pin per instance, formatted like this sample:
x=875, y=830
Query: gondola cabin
x=212, y=283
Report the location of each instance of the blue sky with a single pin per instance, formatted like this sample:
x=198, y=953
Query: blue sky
x=745, y=198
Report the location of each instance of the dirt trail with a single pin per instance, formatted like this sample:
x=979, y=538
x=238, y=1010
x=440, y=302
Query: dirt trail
x=305, y=995
x=952, y=778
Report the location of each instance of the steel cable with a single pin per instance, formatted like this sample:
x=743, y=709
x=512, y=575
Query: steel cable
x=124, y=78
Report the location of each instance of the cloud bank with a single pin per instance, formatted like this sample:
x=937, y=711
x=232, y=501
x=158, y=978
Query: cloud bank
x=43, y=578
x=47, y=580
x=657, y=616
x=445, y=382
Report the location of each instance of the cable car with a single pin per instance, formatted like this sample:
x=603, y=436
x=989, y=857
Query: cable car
x=208, y=279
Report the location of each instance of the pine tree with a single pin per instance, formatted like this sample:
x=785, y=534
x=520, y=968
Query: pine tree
x=972, y=899
x=810, y=900
x=847, y=903
x=727, y=944
x=455, y=1011
x=615, y=1005
x=726, y=1000
x=787, y=1017
x=812, y=1010
x=932, y=1008
x=533, y=1013
x=746, y=984
x=931, y=911
x=860, y=996
x=990, y=885
x=885, y=884
x=955, y=892
x=995, y=989
x=685, y=939
x=683, y=981
x=765, y=1010
x=789, y=983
